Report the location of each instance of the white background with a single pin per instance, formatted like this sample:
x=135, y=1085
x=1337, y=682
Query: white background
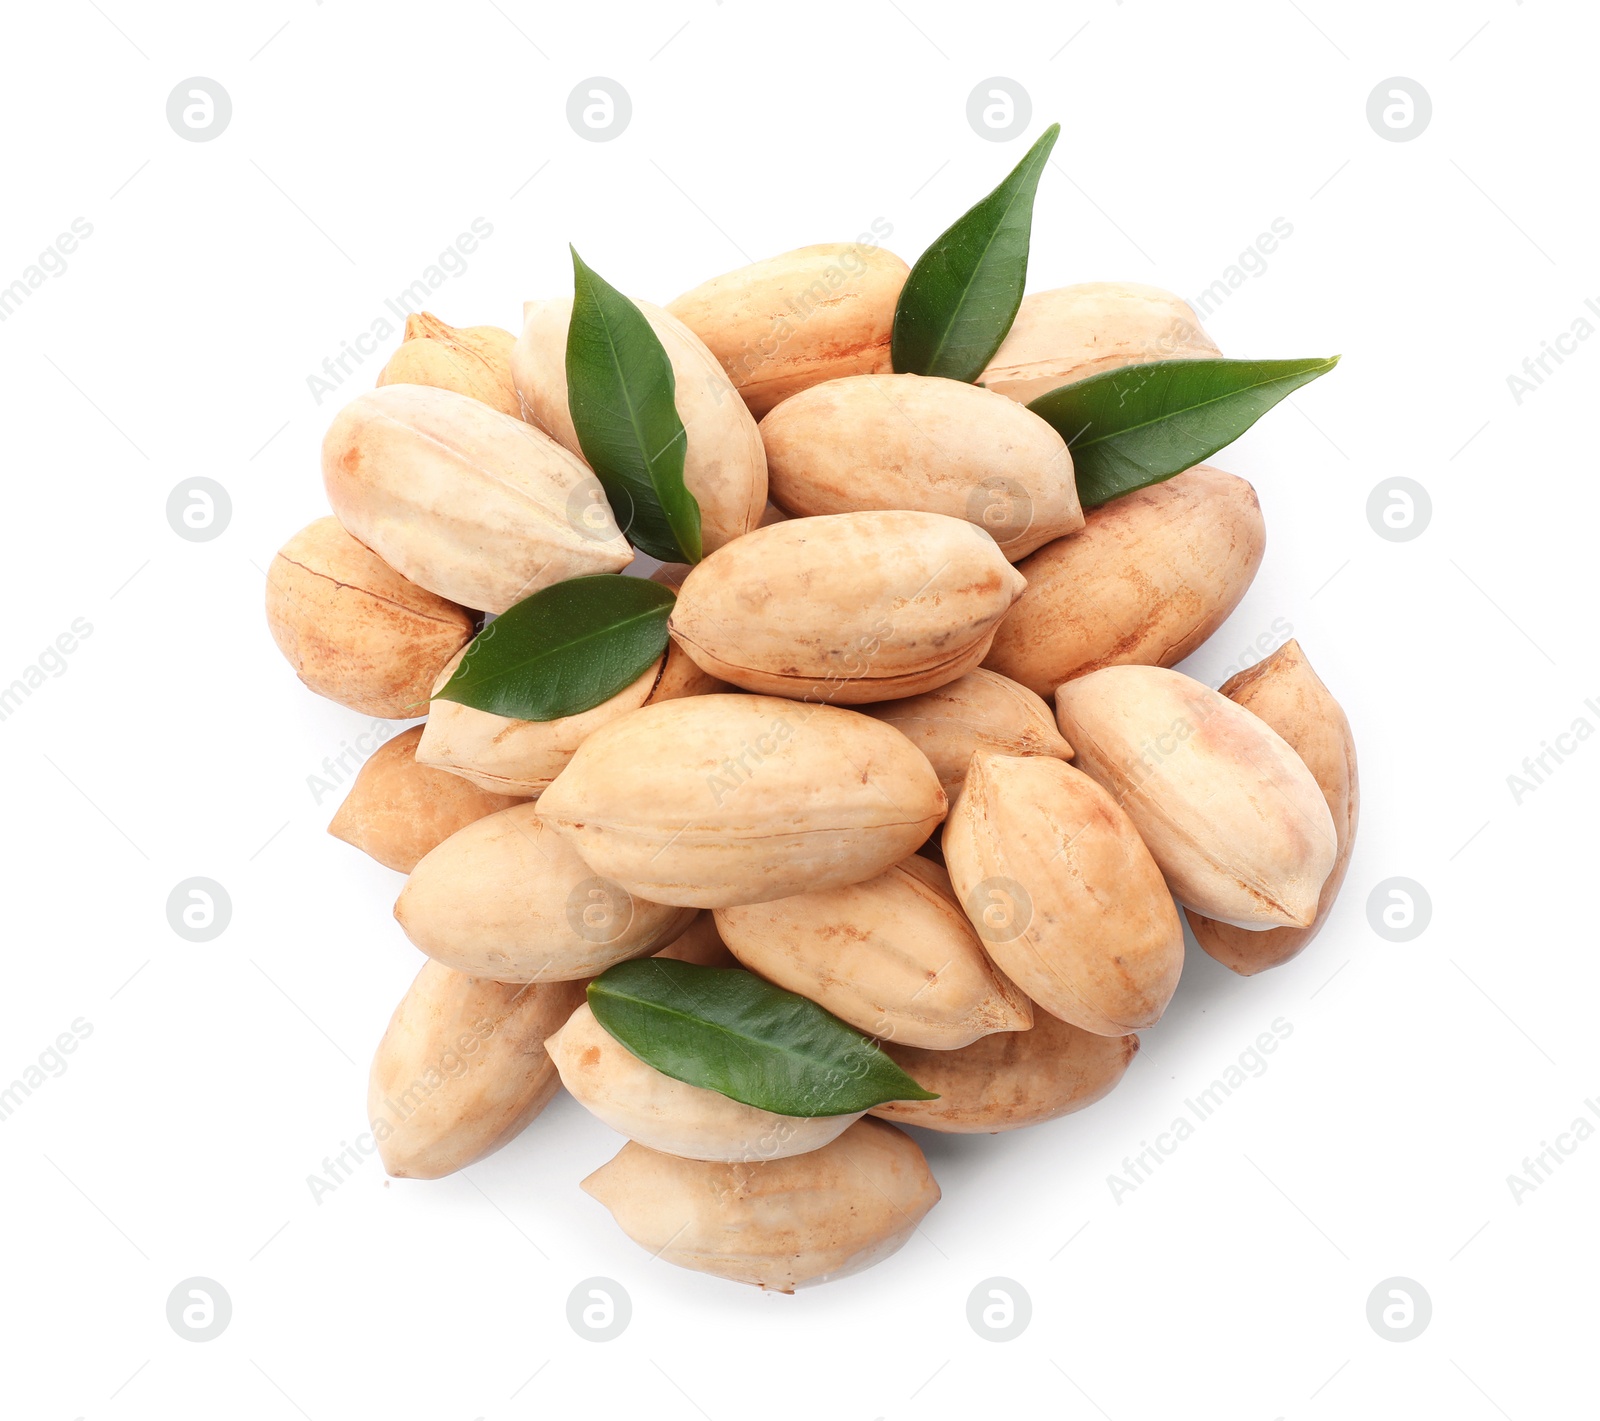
x=176, y=743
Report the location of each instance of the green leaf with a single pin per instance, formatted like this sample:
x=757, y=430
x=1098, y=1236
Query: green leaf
x=732, y=1032
x=963, y=293
x=1135, y=426
x=565, y=649
x=620, y=390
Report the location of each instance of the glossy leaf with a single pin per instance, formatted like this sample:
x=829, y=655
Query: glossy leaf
x=1138, y=425
x=565, y=649
x=735, y=1033
x=620, y=393
x=963, y=293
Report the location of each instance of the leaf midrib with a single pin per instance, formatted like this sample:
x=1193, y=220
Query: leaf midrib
x=597, y=634
x=705, y=1022
x=627, y=393
x=1191, y=409
x=966, y=291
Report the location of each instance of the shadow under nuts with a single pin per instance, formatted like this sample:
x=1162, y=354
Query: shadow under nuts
x=894, y=956
x=915, y=442
x=354, y=629
x=712, y=801
x=1011, y=1079
x=781, y=325
x=463, y=500
x=1289, y=696
x=850, y=608
x=398, y=810
x=506, y=898
x=780, y=1224
x=672, y=1116
x=1066, y=898
x=460, y=1071
x=1149, y=578
x=1228, y=809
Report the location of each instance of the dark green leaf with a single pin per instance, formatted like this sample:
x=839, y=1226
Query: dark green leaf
x=963, y=293
x=565, y=649
x=1138, y=425
x=620, y=391
x=732, y=1032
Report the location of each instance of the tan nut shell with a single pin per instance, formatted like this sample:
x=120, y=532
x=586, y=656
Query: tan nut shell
x=520, y=757
x=523, y=757
x=680, y=677
x=781, y=1224
x=398, y=810
x=910, y=441
x=1151, y=576
x=1289, y=696
x=850, y=608
x=1009, y=1080
x=353, y=628
x=461, y=1069
x=1064, y=895
x=894, y=956
x=781, y=325
x=638, y=1101
x=725, y=467
x=983, y=710
x=712, y=801
x=1074, y=332
x=1227, y=808
x=507, y=898
x=472, y=360
x=468, y=502
x=701, y=944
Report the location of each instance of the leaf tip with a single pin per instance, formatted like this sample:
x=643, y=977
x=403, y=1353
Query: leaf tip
x=915, y=1089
